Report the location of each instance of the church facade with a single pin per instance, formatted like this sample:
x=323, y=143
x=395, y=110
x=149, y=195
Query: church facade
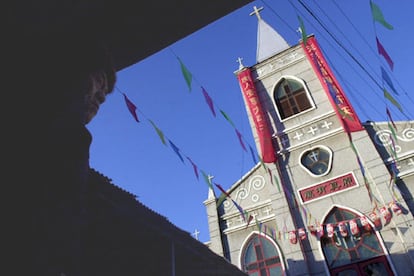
x=331, y=196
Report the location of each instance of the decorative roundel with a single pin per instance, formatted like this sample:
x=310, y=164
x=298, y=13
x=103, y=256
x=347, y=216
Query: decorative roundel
x=317, y=161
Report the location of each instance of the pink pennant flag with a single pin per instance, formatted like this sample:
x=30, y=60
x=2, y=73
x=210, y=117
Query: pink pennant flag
x=240, y=140
x=209, y=101
x=381, y=51
x=131, y=107
x=194, y=167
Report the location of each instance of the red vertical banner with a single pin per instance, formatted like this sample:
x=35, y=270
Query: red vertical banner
x=339, y=101
x=250, y=94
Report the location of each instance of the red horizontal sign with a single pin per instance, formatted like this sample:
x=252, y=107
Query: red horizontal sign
x=329, y=187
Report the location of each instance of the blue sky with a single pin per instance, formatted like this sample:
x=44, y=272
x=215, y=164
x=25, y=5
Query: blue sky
x=131, y=153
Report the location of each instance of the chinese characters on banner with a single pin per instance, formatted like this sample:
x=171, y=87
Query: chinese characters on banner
x=332, y=186
x=343, y=108
x=249, y=92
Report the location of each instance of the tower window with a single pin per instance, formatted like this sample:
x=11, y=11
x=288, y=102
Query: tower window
x=291, y=97
x=317, y=161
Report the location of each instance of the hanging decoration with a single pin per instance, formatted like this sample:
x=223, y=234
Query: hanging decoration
x=256, y=111
x=339, y=101
x=378, y=16
x=131, y=107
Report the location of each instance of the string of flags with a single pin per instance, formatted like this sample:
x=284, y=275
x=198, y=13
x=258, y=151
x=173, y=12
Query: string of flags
x=188, y=77
x=354, y=227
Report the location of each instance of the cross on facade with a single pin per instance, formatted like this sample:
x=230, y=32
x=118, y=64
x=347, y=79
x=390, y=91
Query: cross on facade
x=312, y=130
x=297, y=136
x=256, y=12
x=314, y=155
x=209, y=178
x=195, y=234
x=239, y=60
x=326, y=124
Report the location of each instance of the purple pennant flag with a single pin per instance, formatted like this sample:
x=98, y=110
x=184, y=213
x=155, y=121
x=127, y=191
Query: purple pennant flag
x=176, y=150
x=209, y=101
x=194, y=167
x=131, y=107
x=240, y=140
x=387, y=79
x=240, y=209
x=222, y=190
x=381, y=51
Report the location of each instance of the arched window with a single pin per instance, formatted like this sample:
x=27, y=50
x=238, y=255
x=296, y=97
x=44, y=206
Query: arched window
x=352, y=254
x=291, y=97
x=260, y=257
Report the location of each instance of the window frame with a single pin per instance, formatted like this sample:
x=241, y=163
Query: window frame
x=247, y=243
x=307, y=93
x=330, y=152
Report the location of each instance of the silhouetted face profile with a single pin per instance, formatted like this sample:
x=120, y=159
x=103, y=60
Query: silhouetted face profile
x=101, y=84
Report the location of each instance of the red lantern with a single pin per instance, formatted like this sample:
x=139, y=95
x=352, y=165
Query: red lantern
x=302, y=233
x=330, y=230
x=386, y=214
x=354, y=227
x=395, y=208
x=375, y=219
x=312, y=229
x=342, y=229
x=292, y=237
x=365, y=223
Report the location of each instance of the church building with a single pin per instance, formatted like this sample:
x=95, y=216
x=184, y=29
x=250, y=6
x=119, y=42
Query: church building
x=331, y=195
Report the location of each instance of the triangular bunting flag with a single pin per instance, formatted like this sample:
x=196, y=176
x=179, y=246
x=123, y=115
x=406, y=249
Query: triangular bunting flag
x=302, y=30
x=389, y=97
x=390, y=117
x=159, y=132
x=131, y=107
x=222, y=190
x=176, y=150
x=226, y=117
x=240, y=209
x=241, y=140
x=187, y=74
x=207, y=179
x=378, y=16
x=209, y=101
x=194, y=167
x=382, y=52
x=253, y=155
x=387, y=79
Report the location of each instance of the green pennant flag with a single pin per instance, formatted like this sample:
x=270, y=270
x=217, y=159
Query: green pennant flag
x=392, y=129
x=302, y=31
x=227, y=117
x=159, y=132
x=207, y=179
x=389, y=97
x=378, y=16
x=277, y=183
x=187, y=74
x=221, y=199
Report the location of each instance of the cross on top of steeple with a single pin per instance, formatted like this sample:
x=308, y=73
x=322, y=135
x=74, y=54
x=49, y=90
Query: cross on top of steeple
x=256, y=11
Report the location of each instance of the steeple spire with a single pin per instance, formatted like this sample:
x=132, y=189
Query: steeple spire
x=269, y=42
